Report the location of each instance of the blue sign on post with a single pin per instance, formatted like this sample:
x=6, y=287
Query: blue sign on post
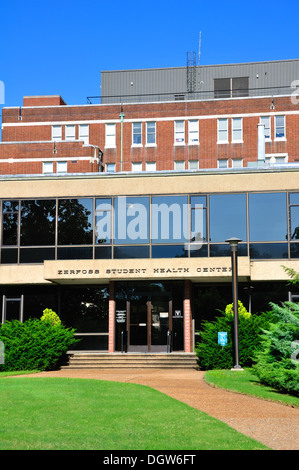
x=222, y=338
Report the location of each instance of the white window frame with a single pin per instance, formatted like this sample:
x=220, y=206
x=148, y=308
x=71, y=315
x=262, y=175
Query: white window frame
x=110, y=167
x=222, y=134
x=48, y=167
x=237, y=127
x=136, y=133
x=276, y=127
x=266, y=120
x=271, y=158
x=219, y=163
x=179, y=132
x=57, y=133
x=237, y=162
x=110, y=135
x=151, y=133
x=179, y=163
x=61, y=166
x=84, y=133
x=150, y=166
x=70, y=132
x=193, y=132
x=193, y=165
x=136, y=166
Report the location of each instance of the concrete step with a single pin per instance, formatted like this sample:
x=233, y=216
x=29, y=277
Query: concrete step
x=132, y=361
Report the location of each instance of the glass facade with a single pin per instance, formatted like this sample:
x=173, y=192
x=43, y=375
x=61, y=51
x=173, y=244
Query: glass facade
x=190, y=225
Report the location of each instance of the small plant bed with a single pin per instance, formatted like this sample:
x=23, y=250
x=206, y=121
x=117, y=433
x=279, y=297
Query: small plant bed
x=247, y=383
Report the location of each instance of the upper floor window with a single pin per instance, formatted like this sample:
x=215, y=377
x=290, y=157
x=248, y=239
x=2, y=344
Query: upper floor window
x=110, y=141
x=193, y=137
x=266, y=120
x=150, y=166
x=223, y=163
x=84, y=133
x=150, y=133
x=237, y=130
x=110, y=167
x=70, y=132
x=280, y=127
x=137, y=133
x=57, y=133
x=231, y=87
x=179, y=166
x=136, y=166
x=61, y=167
x=222, y=131
x=193, y=165
x=48, y=167
x=179, y=132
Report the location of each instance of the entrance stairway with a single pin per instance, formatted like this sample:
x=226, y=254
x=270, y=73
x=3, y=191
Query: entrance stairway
x=131, y=361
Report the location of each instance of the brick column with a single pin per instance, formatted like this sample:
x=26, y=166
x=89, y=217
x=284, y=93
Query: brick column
x=187, y=317
x=111, y=339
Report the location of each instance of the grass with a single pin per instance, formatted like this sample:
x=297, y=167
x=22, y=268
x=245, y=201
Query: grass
x=85, y=414
x=247, y=383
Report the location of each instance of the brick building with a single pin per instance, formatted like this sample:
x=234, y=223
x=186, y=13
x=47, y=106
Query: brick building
x=88, y=191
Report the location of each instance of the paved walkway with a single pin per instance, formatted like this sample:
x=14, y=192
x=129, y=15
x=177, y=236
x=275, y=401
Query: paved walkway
x=275, y=425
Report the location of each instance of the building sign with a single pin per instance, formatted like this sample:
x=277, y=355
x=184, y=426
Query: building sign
x=222, y=338
x=120, y=316
x=189, y=268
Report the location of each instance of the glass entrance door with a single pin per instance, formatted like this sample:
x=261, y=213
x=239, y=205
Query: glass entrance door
x=149, y=323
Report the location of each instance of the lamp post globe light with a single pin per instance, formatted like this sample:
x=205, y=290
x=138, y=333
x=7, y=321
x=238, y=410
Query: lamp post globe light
x=233, y=243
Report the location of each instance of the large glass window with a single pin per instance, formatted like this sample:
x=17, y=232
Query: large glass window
x=267, y=217
x=228, y=217
x=75, y=221
x=38, y=222
x=131, y=220
x=170, y=222
x=103, y=229
x=10, y=221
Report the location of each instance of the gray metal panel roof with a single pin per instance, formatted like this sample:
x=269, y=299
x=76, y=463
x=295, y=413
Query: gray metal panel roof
x=126, y=84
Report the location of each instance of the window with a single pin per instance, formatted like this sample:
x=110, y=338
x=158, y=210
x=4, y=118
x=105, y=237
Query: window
x=267, y=217
x=56, y=133
x=103, y=229
x=280, y=127
x=179, y=166
x=266, y=120
x=150, y=133
x=193, y=137
x=75, y=221
x=169, y=216
x=37, y=222
x=276, y=159
x=61, y=167
x=70, y=132
x=110, y=167
x=227, y=217
x=179, y=132
x=137, y=133
x=193, y=165
x=150, y=166
x=237, y=131
x=110, y=141
x=222, y=130
x=47, y=167
x=131, y=220
x=84, y=133
x=136, y=166
x=10, y=223
x=231, y=87
x=237, y=163
x=223, y=163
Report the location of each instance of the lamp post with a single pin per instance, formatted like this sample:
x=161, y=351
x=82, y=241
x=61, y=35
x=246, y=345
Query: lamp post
x=233, y=243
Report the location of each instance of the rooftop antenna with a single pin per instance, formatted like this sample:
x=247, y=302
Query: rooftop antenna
x=199, y=47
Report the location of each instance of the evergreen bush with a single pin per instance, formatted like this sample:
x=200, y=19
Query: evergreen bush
x=211, y=355
x=277, y=363
x=35, y=344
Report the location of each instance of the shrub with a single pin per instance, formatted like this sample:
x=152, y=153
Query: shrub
x=50, y=316
x=34, y=344
x=274, y=363
x=211, y=355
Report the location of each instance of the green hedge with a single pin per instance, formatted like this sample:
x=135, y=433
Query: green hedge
x=211, y=355
x=34, y=344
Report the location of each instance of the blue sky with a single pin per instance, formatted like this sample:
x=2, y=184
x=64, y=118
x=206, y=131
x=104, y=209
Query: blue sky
x=60, y=47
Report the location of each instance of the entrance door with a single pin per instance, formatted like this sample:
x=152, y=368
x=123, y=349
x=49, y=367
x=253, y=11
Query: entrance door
x=149, y=323
x=12, y=308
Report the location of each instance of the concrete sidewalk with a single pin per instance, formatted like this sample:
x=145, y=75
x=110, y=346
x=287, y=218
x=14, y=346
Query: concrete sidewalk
x=275, y=425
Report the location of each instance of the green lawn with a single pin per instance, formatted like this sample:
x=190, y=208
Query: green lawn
x=60, y=413
x=247, y=383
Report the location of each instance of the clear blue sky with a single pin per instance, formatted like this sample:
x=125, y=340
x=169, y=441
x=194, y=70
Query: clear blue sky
x=60, y=47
